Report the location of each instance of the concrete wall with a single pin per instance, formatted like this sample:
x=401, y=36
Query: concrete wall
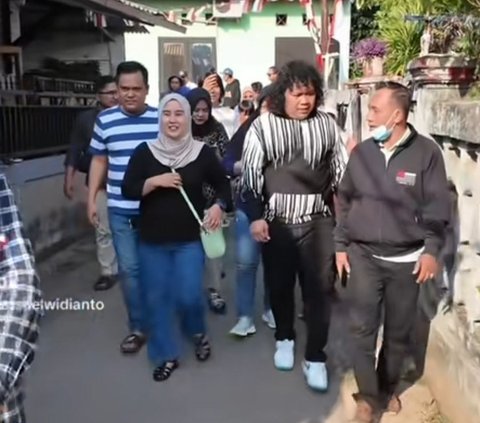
x=50, y=220
x=452, y=366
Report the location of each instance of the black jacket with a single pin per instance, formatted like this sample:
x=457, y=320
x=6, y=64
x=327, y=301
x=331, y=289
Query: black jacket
x=77, y=155
x=397, y=208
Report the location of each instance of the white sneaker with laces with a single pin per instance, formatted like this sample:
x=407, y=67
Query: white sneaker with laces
x=316, y=375
x=244, y=327
x=284, y=357
x=268, y=318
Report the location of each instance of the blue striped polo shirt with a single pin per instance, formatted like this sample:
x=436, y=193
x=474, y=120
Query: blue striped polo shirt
x=116, y=134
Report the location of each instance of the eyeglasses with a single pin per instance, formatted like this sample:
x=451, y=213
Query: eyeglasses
x=108, y=92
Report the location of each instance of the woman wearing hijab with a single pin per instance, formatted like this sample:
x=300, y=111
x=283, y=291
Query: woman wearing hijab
x=247, y=250
x=171, y=254
x=207, y=129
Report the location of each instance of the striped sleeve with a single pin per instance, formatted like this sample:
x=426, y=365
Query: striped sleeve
x=340, y=156
x=98, y=146
x=253, y=160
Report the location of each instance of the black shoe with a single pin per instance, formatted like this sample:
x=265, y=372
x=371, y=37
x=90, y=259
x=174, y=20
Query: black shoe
x=104, y=283
x=203, y=349
x=163, y=372
x=133, y=343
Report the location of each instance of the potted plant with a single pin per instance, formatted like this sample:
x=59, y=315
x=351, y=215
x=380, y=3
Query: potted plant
x=452, y=51
x=370, y=54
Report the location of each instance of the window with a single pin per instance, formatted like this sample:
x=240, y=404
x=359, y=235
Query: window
x=210, y=19
x=184, y=19
x=281, y=19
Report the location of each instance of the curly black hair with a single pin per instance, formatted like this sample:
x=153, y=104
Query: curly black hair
x=295, y=73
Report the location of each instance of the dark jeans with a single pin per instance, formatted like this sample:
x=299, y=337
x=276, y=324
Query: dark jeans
x=374, y=284
x=307, y=250
x=172, y=282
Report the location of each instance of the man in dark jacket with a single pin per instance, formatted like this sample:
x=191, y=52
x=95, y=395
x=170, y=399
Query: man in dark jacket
x=78, y=159
x=393, y=208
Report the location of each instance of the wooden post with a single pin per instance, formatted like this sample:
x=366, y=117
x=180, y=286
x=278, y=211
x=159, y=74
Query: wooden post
x=325, y=26
x=5, y=23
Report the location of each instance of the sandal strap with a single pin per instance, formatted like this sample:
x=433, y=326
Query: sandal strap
x=203, y=348
x=164, y=371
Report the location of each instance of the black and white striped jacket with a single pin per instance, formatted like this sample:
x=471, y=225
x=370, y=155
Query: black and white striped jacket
x=292, y=168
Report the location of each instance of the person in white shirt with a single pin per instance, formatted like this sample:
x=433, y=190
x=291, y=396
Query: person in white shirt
x=186, y=80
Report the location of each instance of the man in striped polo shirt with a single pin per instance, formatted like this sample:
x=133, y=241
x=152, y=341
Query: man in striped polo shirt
x=118, y=131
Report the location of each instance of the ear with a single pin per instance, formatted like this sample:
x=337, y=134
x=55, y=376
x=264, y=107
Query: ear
x=398, y=116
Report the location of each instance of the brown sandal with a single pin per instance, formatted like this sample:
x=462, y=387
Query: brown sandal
x=133, y=343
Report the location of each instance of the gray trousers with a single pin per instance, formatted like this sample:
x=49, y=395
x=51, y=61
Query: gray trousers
x=103, y=236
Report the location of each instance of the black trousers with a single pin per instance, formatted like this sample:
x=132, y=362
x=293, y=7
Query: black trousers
x=307, y=250
x=373, y=284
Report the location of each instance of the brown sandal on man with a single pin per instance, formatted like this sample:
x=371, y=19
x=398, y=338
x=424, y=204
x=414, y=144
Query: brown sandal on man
x=133, y=343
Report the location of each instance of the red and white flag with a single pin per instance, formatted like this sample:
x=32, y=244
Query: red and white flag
x=258, y=5
x=315, y=31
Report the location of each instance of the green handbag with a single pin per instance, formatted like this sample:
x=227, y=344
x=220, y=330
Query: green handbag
x=213, y=241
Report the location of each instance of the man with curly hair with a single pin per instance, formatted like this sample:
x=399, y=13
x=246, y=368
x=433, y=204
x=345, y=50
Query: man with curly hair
x=293, y=160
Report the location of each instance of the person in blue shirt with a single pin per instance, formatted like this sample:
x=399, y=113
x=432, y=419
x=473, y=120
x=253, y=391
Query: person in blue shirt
x=118, y=131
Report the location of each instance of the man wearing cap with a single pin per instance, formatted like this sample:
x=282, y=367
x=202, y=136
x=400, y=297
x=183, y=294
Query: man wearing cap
x=232, y=89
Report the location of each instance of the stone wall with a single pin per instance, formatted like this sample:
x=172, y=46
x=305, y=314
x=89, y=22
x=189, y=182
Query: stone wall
x=452, y=366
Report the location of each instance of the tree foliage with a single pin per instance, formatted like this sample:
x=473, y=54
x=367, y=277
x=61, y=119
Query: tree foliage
x=402, y=37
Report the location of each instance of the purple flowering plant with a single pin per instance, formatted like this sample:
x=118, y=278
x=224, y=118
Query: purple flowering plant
x=368, y=49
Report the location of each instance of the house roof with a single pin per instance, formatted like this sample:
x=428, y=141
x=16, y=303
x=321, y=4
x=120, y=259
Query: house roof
x=127, y=10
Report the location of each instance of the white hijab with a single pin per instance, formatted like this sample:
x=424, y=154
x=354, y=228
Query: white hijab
x=175, y=153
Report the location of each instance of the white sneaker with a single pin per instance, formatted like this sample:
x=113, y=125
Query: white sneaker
x=244, y=327
x=316, y=375
x=284, y=355
x=268, y=318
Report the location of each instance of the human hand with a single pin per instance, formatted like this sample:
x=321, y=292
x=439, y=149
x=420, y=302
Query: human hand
x=68, y=189
x=92, y=213
x=260, y=231
x=167, y=180
x=426, y=268
x=343, y=264
x=213, y=218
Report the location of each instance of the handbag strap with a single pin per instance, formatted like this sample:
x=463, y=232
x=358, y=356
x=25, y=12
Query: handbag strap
x=189, y=204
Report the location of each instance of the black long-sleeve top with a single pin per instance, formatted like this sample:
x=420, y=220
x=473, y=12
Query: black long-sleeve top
x=164, y=214
x=77, y=155
x=395, y=207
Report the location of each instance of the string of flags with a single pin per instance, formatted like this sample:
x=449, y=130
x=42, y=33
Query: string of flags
x=242, y=7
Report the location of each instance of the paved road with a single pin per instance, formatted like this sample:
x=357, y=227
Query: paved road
x=79, y=375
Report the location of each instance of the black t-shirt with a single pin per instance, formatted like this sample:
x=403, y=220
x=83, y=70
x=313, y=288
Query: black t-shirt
x=164, y=214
